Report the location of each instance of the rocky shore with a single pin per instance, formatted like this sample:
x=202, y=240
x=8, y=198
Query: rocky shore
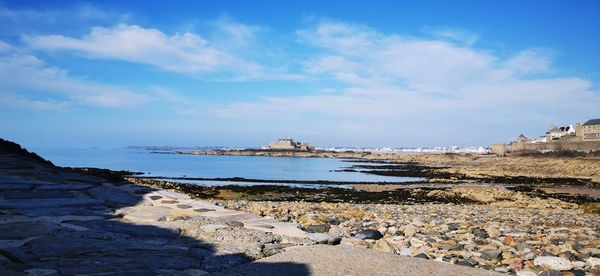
x=584, y=169
x=524, y=238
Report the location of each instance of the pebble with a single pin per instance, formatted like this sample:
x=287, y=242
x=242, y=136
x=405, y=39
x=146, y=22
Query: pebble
x=553, y=263
x=369, y=234
x=410, y=230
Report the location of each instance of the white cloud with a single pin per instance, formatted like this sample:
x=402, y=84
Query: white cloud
x=392, y=84
x=26, y=75
x=180, y=52
x=529, y=62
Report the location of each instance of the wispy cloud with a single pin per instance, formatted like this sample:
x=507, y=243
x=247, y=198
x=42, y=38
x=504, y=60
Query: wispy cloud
x=185, y=52
x=22, y=76
x=458, y=35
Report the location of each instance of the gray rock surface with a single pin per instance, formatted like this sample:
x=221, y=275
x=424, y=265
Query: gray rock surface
x=346, y=260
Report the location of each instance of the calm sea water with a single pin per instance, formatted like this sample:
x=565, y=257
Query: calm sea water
x=210, y=166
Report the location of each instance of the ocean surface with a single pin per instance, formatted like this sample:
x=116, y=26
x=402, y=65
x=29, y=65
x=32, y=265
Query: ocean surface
x=212, y=166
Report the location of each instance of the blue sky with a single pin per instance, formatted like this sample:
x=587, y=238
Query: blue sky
x=333, y=73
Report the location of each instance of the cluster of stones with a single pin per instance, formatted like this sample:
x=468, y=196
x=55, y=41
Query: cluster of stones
x=510, y=240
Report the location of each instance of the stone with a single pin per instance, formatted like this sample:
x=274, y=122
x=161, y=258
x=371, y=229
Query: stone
x=37, y=194
x=480, y=233
x=15, y=187
x=169, y=201
x=203, y=210
x=414, y=242
x=194, y=272
x=134, y=230
x=405, y=251
x=422, y=256
x=265, y=226
x=320, y=238
x=368, y=234
x=334, y=240
x=184, y=206
x=491, y=254
x=114, y=195
x=22, y=230
x=211, y=228
x=234, y=223
x=155, y=197
x=550, y=272
x=553, y=263
x=48, y=203
x=593, y=262
x=410, y=230
x=522, y=246
x=318, y=228
x=145, y=214
x=468, y=262
x=41, y=272
x=133, y=262
x=526, y=273
x=384, y=246
x=64, y=187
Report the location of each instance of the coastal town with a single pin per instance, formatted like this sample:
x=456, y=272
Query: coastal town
x=584, y=137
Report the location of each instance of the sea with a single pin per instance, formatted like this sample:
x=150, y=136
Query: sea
x=168, y=166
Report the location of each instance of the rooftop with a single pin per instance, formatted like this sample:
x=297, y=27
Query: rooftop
x=592, y=122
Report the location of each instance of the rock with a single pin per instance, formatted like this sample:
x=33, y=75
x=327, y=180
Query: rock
x=368, y=234
x=41, y=272
x=515, y=266
x=468, y=262
x=203, y=210
x=491, y=254
x=334, y=240
x=318, y=228
x=526, y=273
x=452, y=226
x=508, y=240
x=422, y=256
x=521, y=246
x=550, y=273
x=69, y=187
x=22, y=230
x=37, y=194
x=320, y=238
x=384, y=246
x=593, y=262
x=234, y=223
x=410, y=230
x=480, y=233
x=414, y=242
x=155, y=197
x=134, y=230
x=48, y=203
x=15, y=186
x=184, y=206
x=145, y=214
x=211, y=228
x=169, y=201
x=553, y=263
x=114, y=195
x=194, y=272
x=405, y=251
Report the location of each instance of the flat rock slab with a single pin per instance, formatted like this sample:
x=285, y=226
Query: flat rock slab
x=15, y=187
x=146, y=214
x=49, y=203
x=129, y=262
x=346, y=260
x=135, y=230
x=71, y=187
x=21, y=230
x=37, y=194
x=114, y=195
x=68, y=211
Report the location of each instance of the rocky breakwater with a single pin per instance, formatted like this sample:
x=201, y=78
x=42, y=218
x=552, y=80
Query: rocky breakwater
x=504, y=232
